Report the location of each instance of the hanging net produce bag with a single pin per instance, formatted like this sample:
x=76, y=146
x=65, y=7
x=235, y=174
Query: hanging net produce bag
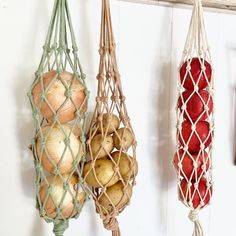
x=58, y=97
x=111, y=164
x=195, y=125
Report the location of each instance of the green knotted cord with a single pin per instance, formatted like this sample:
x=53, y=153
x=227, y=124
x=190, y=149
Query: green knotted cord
x=60, y=227
x=60, y=52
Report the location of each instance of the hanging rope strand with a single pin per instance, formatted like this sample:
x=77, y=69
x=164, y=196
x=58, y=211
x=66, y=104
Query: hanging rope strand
x=195, y=90
x=193, y=216
x=109, y=119
x=59, y=185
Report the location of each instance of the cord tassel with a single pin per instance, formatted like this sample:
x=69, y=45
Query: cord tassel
x=116, y=232
x=60, y=227
x=193, y=216
x=112, y=225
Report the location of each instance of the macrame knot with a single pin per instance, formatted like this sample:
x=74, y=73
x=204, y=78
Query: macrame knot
x=115, y=98
x=100, y=76
x=122, y=98
x=104, y=99
x=98, y=99
x=112, y=49
x=193, y=215
x=68, y=93
x=102, y=50
x=111, y=223
x=75, y=48
x=125, y=119
x=83, y=76
x=47, y=48
x=37, y=74
x=60, y=227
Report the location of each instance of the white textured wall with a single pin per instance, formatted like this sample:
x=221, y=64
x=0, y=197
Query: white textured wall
x=150, y=41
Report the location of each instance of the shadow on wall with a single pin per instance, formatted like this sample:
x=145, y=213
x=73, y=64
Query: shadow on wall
x=86, y=36
x=38, y=226
x=165, y=113
x=24, y=121
x=231, y=55
x=163, y=99
x=93, y=229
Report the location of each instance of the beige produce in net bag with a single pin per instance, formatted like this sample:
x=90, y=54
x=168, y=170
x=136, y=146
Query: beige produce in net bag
x=195, y=124
x=111, y=164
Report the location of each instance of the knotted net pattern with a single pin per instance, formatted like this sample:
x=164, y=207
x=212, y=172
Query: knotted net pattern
x=195, y=124
x=111, y=164
x=58, y=97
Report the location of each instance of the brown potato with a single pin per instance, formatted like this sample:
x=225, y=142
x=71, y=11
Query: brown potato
x=101, y=146
x=109, y=124
x=103, y=174
x=123, y=139
x=127, y=165
x=57, y=195
x=116, y=196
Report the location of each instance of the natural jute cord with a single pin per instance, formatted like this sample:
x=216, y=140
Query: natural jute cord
x=110, y=106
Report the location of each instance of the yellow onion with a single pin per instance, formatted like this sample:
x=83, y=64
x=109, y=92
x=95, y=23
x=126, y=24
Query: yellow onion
x=76, y=128
x=56, y=94
x=55, y=149
x=58, y=196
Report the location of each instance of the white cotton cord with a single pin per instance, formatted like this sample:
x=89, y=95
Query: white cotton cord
x=193, y=216
x=195, y=185
x=196, y=39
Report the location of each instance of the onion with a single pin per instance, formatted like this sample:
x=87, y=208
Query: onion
x=55, y=149
x=76, y=128
x=56, y=96
x=59, y=197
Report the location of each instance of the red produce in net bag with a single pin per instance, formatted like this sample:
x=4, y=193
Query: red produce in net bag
x=195, y=124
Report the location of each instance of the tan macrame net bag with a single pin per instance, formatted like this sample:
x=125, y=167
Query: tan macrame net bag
x=111, y=164
x=195, y=125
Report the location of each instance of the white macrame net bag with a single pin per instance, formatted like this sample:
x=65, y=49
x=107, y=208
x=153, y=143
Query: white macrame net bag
x=195, y=124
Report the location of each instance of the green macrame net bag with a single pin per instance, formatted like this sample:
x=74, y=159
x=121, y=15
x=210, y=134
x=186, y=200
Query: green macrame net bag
x=58, y=97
